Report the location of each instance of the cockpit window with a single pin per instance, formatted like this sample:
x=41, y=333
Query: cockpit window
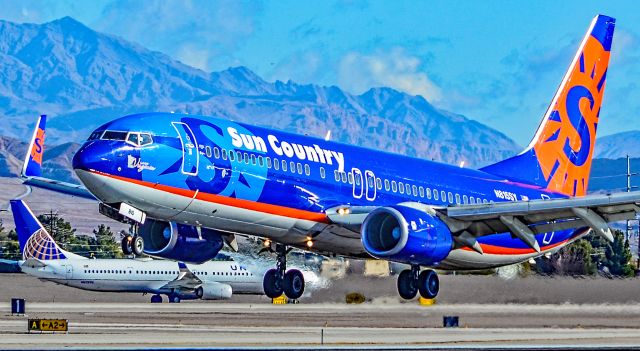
x=113, y=135
x=95, y=135
x=132, y=138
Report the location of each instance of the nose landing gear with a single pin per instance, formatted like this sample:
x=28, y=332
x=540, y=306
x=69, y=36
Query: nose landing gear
x=411, y=281
x=279, y=280
x=133, y=243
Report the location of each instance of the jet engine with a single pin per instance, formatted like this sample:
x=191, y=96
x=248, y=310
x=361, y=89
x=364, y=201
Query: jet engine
x=405, y=234
x=179, y=242
x=214, y=291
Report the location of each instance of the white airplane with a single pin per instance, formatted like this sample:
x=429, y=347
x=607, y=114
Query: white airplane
x=43, y=258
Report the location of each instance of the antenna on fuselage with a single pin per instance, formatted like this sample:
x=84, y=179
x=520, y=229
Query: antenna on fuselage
x=328, y=136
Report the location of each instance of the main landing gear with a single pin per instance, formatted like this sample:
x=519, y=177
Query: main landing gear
x=279, y=280
x=133, y=243
x=411, y=281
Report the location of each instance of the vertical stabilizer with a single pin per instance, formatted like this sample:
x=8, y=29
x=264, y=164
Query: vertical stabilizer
x=35, y=241
x=559, y=155
x=32, y=165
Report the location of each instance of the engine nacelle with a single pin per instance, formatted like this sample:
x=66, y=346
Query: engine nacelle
x=405, y=234
x=179, y=242
x=214, y=291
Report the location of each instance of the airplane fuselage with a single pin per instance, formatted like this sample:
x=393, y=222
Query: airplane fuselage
x=143, y=276
x=239, y=178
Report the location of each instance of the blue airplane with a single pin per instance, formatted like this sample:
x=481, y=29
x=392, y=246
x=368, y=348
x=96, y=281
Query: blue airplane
x=192, y=183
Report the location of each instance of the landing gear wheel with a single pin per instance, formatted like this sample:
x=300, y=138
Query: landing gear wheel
x=407, y=287
x=174, y=299
x=272, y=284
x=126, y=245
x=429, y=284
x=137, y=246
x=293, y=284
x=156, y=299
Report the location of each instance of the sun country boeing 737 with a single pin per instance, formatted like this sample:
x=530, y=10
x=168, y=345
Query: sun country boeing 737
x=43, y=258
x=194, y=182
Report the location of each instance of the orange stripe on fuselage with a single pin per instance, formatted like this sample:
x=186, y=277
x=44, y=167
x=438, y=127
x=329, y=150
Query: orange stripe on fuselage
x=229, y=201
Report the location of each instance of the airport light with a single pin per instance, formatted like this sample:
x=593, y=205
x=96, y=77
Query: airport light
x=266, y=243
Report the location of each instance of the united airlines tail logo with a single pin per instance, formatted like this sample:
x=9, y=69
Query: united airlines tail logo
x=38, y=147
x=41, y=246
x=565, y=146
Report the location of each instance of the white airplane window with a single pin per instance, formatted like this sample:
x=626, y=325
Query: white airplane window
x=484, y=201
x=394, y=186
x=224, y=154
x=253, y=160
x=386, y=185
x=435, y=194
x=415, y=190
x=428, y=191
x=292, y=167
x=307, y=169
x=269, y=162
x=408, y=187
x=443, y=196
x=472, y=200
x=276, y=164
x=260, y=161
x=246, y=158
x=216, y=152
x=337, y=175
x=458, y=199
x=343, y=175
x=299, y=168
x=322, y=175
x=450, y=198
x=464, y=199
x=379, y=183
x=421, y=191
x=239, y=154
x=401, y=187
x=145, y=139
x=284, y=165
x=207, y=151
x=232, y=156
x=350, y=178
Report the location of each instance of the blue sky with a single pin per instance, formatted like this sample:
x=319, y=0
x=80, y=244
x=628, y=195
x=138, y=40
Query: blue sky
x=498, y=62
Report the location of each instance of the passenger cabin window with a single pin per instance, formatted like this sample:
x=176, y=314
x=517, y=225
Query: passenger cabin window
x=232, y=156
x=224, y=154
x=216, y=152
x=307, y=169
x=464, y=199
x=379, y=183
x=421, y=191
x=387, y=186
x=350, y=177
x=343, y=175
x=435, y=194
x=428, y=191
x=260, y=161
x=322, y=175
x=269, y=162
x=458, y=199
x=401, y=187
x=299, y=168
x=207, y=151
x=284, y=165
x=276, y=164
x=394, y=186
x=450, y=198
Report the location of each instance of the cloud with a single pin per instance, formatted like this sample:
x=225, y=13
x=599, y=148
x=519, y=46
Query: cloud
x=358, y=72
x=199, y=32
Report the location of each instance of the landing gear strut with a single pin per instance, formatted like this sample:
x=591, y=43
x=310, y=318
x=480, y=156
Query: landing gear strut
x=411, y=281
x=279, y=280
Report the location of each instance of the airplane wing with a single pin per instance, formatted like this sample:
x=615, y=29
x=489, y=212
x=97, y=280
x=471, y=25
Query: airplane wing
x=186, y=280
x=32, y=167
x=523, y=219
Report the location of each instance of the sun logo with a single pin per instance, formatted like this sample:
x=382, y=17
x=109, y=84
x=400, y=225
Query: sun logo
x=566, y=144
x=38, y=147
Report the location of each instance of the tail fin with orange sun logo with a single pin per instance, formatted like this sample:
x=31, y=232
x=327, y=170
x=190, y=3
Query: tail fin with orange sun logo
x=559, y=156
x=32, y=166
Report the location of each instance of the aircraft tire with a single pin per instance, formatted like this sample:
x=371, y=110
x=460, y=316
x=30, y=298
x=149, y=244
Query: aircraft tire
x=272, y=284
x=156, y=299
x=137, y=246
x=406, y=285
x=126, y=245
x=174, y=299
x=293, y=284
x=429, y=284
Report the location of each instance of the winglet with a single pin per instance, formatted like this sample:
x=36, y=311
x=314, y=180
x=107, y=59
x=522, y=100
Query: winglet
x=32, y=166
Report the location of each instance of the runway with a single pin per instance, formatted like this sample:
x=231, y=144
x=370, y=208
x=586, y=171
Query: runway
x=196, y=325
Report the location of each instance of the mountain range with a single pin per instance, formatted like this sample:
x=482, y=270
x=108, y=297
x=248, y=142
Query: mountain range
x=82, y=78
